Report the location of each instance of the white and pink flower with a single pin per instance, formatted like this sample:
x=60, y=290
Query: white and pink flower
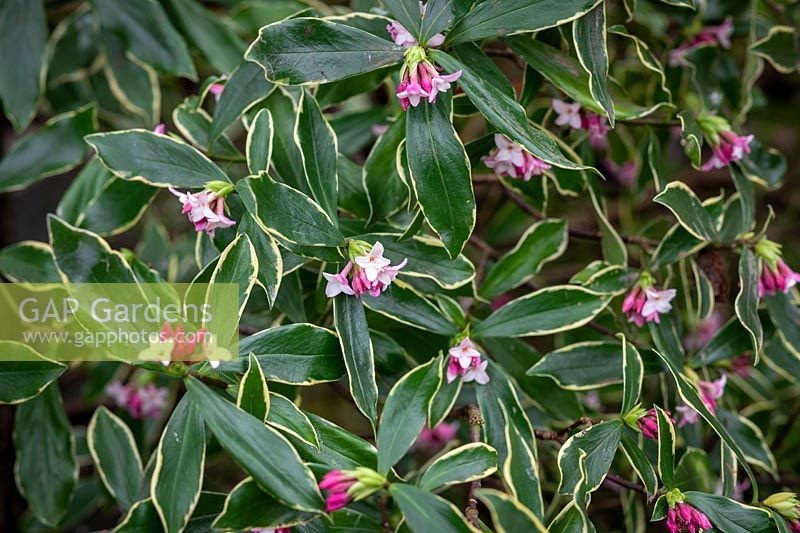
x=510, y=159
x=465, y=361
x=646, y=304
x=206, y=210
x=572, y=115
x=710, y=392
x=370, y=272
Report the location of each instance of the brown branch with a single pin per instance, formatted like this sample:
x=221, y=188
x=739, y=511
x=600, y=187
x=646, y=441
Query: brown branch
x=472, y=414
x=575, y=233
x=622, y=482
x=383, y=502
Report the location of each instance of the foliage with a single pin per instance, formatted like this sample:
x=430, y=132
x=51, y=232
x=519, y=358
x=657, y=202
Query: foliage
x=562, y=319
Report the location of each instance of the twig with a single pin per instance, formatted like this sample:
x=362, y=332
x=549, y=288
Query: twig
x=643, y=242
x=622, y=482
x=472, y=414
x=383, y=502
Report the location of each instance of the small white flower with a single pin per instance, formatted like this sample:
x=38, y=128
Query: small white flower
x=373, y=263
x=658, y=301
x=568, y=114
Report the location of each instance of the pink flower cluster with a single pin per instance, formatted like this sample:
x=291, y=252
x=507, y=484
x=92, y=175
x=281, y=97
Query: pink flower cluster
x=438, y=437
x=422, y=80
x=510, y=159
x=371, y=273
x=206, y=210
x=647, y=304
x=648, y=424
x=141, y=402
x=573, y=116
x=402, y=37
x=337, y=483
x=794, y=525
x=465, y=361
x=731, y=147
x=710, y=392
x=780, y=278
x=710, y=35
x=683, y=515
x=271, y=530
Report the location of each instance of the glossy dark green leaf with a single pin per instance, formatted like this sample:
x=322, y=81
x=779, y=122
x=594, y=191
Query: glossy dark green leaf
x=386, y=191
x=440, y=172
x=543, y=312
x=102, y=203
x=259, y=449
x=287, y=213
x=259, y=142
x=515, y=357
x=147, y=31
x=589, y=36
x=287, y=159
x=180, y=460
x=29, y=261
x=425, y=512
x=681, y=3
x=195, y=125
x=253, y=396
x=750, y=439
x=115, y=456
x=33, y=157
x=779, y=48
x=688, y=209
x=155, y=159
x=495, y=19
x=286, y=416
x=666, y=449
x=675, y=245
x=246, y=87
x=427, y=259
x=307, y=50
x=691, y=137
x=319, y=148
x=249, y=507
x=208, y=33
x=694, y=472
x=666, y=338
x=543, y=242
x=521, y=466
x=338, y=448
x=567, y=74
x=746, y=304
x=407, y=12
x=504, y=113
x=461, y=465
x=351, y=323
x=83, y=257
x=729, y=515
x=270, y=262
x=300, y=354
x=632, y=376
x=477, y=61
x=786, y=317
x=405, y=305
x=86, y=185
x=22, y=22
x=46, y=467
x=440, y=15
x=404, y=413
x=639, y=461
x=508, y=514
x=689, y=394
x=599, y=442
x=24, y=373
x=134, y=84
x=582, y=366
